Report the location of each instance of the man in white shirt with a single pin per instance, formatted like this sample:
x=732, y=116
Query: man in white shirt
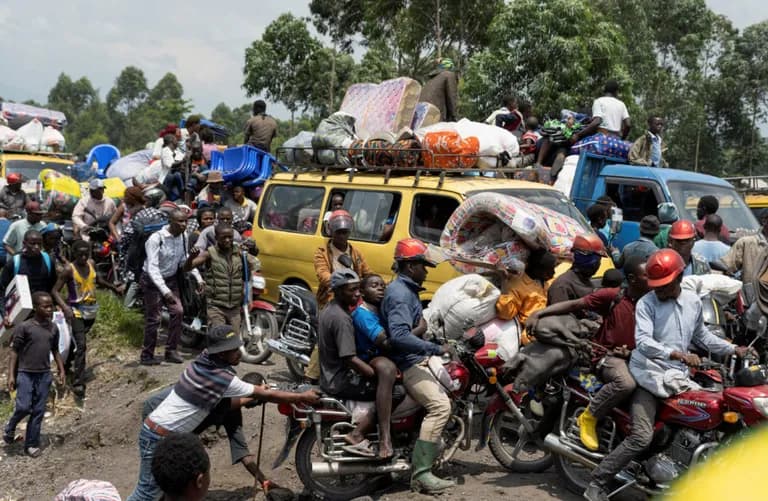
x=204, y=383
x=609, y=115
x=166, y=254
x=93, y=210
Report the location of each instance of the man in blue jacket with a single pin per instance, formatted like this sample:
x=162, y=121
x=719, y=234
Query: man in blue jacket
x=402, y=314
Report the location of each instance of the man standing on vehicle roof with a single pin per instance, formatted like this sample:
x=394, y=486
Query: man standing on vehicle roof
x=402, y=313
x=442, y=90
x=261, y=128
x=667, y=321
x=336, y=254
x=12, y=197
x=649, y=149
x=576, y=283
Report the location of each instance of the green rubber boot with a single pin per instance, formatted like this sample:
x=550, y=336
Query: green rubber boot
x=422, y=479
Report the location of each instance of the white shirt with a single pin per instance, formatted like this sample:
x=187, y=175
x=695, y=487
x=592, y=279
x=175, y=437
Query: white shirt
x=612, y=111
x=176, y=414
x=165, y=255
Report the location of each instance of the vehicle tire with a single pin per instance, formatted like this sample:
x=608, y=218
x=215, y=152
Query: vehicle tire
x=351, y=487
x=507, y=435
x=575, y=476
x=296, y=369
x=263, y=327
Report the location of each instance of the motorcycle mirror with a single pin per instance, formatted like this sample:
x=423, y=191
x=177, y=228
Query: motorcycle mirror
x=668, y=212
x=762, y=326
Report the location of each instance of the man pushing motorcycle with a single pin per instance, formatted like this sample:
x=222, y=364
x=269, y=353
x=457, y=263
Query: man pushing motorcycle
x=667, y=321
x=402, y=313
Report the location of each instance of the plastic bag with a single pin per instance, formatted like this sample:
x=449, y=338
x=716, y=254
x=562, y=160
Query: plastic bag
x=447, y=150
x=65, y=336
x=461, y=303
x=337, y=132
x=712, y=283
x=52, y=140
x=505, y=334
x=302, y=144
x=495, y=143
x=7, y=135
x=32, y=133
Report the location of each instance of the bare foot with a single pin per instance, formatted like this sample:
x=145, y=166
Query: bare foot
x=385, y=450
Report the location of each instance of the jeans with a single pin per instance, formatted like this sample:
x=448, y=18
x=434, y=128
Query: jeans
x=643, y=412
x=153, y=304
x=174, y=185
x=425, y=389
x=31, y=396
x=80, y=328
x=147, y=489
x=618, y=386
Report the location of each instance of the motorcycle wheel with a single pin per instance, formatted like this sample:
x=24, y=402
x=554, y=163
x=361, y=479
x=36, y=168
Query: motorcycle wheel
x=263, y=327
x=339, y=488
x=296, y=369
x=513, y=448
x=575, y=475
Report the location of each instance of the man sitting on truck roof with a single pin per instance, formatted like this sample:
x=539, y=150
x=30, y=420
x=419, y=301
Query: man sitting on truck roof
x=649, y=148
x=609, y=115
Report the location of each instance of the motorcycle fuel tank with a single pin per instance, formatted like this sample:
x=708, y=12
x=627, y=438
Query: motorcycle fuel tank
x=487, y=356
x=697, y=409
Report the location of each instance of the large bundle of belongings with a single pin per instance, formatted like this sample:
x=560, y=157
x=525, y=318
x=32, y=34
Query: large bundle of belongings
x=29, y=128
x=60, y=193
x=488, y=232
x=384, y=125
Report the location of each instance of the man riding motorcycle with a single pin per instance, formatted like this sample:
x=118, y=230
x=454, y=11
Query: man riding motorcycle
x=668, y=320
x=402, y=313
x=616, y=335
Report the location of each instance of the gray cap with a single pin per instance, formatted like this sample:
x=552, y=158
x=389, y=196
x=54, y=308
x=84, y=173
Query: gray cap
x=343, y=277
x=95, y=184
x=222, y=338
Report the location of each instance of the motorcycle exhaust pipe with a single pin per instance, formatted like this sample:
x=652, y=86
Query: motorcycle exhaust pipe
x=322, y=469
x=276, y=346
x=554, y=444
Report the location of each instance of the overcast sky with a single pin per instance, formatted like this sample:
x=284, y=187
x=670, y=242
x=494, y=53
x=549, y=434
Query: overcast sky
x=202, y=42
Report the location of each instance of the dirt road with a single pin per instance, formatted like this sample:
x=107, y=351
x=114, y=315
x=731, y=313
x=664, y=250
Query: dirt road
x=99, y=442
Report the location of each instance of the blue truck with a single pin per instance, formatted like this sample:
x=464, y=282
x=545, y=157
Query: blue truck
x=639, y=190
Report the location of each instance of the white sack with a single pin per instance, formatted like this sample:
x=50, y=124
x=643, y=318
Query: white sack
x=493, y=141
x=32, y=132
x=463, y=302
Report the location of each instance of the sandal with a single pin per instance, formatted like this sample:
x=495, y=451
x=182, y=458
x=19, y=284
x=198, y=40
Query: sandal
x=362, y=448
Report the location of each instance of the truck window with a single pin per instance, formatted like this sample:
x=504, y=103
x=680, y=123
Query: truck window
x=294, y=209
x=374, y=213
x=635, y=200
x=732, y=209
x=429, y=215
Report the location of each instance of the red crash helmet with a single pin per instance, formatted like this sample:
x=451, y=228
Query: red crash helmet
x=13, y=178
x=589, y=244
x=682, y=230
x=340, y=220
x=412, y=249
x=663, y=267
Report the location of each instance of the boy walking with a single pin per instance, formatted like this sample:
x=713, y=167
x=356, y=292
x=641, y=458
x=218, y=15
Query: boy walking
x=33, y=343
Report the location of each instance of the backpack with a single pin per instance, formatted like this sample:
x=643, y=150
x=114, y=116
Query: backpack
x=17, y=262
x=142, y=230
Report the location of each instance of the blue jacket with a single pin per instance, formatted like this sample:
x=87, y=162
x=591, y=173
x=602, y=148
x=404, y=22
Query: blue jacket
x=401, y=311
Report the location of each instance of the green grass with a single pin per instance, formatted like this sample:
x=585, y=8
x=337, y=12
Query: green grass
x=117, y=326
x=6, y=408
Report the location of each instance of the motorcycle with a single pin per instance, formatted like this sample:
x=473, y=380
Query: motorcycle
x=259, y=322
x=296, y=315
x=689, y=427
x=326, y=468
x=103, y=253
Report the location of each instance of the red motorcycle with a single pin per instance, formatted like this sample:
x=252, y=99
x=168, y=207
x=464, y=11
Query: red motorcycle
x=689, y=426
x=325, y=468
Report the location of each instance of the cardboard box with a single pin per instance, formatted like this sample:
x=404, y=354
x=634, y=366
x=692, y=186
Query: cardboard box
x=18, y=305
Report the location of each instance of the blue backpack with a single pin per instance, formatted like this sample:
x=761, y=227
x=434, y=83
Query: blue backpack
x=17, y=262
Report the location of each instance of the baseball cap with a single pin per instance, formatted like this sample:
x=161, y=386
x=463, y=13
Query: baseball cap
x=340, y=278
x=649, y=225
x=223, y=338
x=96, y=184
x=50, y=228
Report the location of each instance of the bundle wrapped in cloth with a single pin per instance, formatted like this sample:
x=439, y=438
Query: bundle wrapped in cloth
x=491, y=230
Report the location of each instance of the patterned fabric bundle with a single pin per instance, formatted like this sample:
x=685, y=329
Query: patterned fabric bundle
x=603, y=144
x=447, y=150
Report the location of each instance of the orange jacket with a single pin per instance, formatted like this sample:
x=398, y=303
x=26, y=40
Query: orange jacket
x=324, y=269
x=521, y=296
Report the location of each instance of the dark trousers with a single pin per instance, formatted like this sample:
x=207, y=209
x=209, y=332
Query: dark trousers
x=76, y=358
x=618, y=385
x=31, y=396
x=174, y=185
x=221, y=415
x=643, y=411
x=153, y=304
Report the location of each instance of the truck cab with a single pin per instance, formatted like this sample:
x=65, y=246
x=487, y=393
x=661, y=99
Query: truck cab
x=638, y=191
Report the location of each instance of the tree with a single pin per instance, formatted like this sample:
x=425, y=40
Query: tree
x=559, y=56
x=233, y=119
x=86, y=114
x=278, y=64
x=166, y=100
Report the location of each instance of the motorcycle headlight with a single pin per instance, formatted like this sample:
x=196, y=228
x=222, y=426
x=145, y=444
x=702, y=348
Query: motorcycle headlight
x=258, y=282
x=761, y=404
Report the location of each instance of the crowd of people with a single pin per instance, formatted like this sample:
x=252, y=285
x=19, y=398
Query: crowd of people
x=368, y=330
